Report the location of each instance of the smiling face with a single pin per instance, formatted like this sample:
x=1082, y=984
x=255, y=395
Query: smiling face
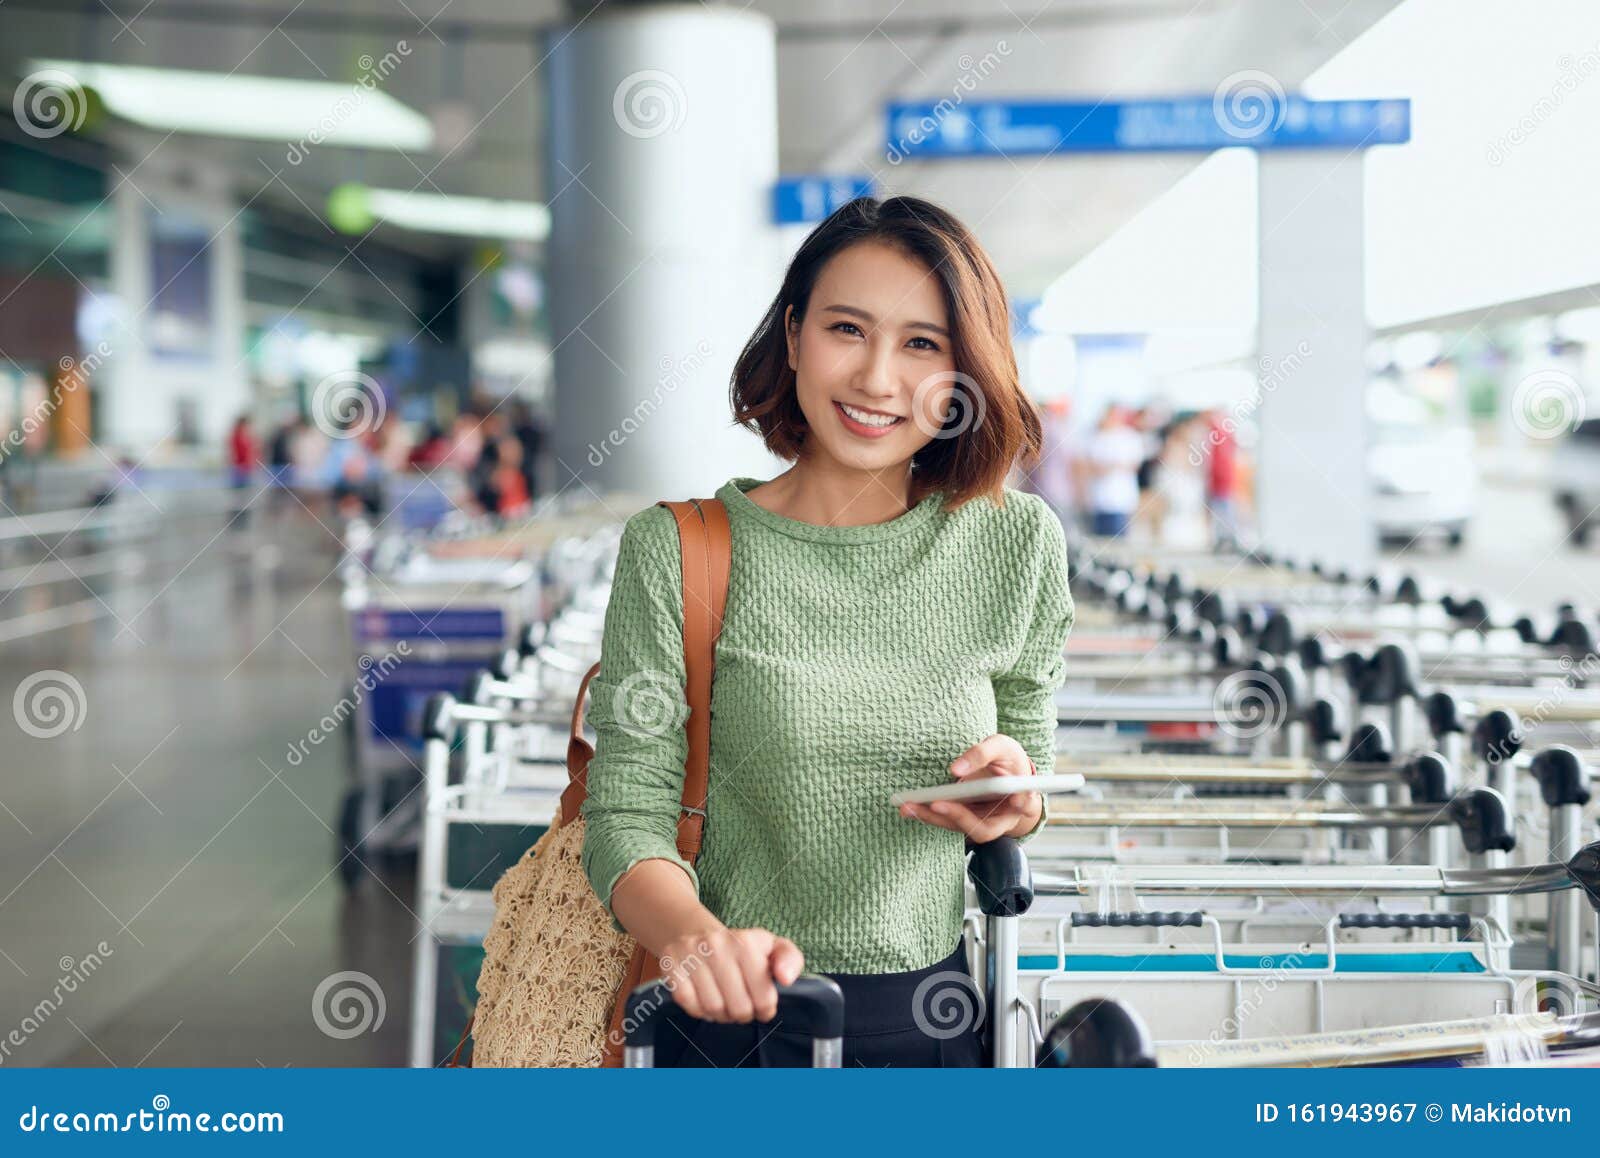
x=873, y=358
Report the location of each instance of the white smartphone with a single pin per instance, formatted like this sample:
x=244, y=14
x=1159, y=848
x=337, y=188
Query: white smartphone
x=989, y=788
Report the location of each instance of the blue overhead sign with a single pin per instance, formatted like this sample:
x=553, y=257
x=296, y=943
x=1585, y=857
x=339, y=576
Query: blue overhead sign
x=1022, y=317
x=808, y=200
x=1249, y=118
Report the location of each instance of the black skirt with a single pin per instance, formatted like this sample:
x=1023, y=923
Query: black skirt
x=926, y=1017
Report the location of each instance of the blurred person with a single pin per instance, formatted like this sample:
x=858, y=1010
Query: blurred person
x=464, y=445
x=244, y=456
x=1180, y=485
x=1052, y=476
x=308, y=448
x=280, y=450
x=1222, y=479
x=430, y=451
x=353, y=476
x=392, y=443
x=280, y=461
x=244, y=453
x=504, y=490
x=1154, y=424
x=1114, y=454
x=530, y=433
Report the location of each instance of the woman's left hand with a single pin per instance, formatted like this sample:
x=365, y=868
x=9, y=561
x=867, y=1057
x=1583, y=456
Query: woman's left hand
x=985, y=820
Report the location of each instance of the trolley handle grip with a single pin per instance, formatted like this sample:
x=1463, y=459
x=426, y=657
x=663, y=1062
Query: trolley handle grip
x=1138, y=920
x=1458, y=921
x=1001, y=877
x=438, y=719
x=1584, y=869
x=811, y=1004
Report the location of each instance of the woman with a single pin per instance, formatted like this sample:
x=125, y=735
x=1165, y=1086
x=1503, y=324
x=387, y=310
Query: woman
x=889, y=625
x=244, y=455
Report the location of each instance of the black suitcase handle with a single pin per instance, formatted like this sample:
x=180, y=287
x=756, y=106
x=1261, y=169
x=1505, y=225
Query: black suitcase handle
x=812, y=1005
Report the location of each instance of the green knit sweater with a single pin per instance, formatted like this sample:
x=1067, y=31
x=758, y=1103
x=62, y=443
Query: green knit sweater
x=853, y=662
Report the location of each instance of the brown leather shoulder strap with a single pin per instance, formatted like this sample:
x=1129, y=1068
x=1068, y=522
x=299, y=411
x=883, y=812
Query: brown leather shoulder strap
x=579, y=753
x=706, y=549
x=705, y=546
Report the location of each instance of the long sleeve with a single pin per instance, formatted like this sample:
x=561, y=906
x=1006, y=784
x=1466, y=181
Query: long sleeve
x=1025, y=693
x=637, y=708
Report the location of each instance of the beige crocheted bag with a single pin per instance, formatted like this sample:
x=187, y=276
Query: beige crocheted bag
x=555, y=972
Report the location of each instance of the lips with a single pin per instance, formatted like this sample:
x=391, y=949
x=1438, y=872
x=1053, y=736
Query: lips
x=862, y=429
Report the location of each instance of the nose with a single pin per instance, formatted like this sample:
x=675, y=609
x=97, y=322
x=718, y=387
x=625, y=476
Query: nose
x=877, y=379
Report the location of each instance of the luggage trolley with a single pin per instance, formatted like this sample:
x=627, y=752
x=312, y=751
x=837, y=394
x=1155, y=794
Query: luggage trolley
x=1203, y=985
x=508, y=737
x=425, y=626
x=497, y=787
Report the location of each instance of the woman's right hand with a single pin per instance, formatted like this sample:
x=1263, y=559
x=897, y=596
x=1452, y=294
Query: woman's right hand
x=730, y=975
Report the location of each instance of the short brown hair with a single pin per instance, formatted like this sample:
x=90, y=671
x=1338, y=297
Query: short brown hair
x=973, y=462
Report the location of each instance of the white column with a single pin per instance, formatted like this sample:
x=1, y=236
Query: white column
x=1311, y=487
x=662, y=153
x=127, y=420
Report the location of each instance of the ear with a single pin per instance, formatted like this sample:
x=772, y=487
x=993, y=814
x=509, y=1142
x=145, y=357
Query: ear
x=791, y=336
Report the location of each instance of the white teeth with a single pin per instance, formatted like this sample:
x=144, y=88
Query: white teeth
x=868, y=419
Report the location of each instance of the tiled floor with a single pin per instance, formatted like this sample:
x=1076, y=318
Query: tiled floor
x=169, y=825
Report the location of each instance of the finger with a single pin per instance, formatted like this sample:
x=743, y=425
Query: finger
x=983, y=829
x=683, y=992
x=998, y=749
x=923, y=813
x=787, y=960
x=1007, y=807
x=756, y=963
x=733, y=993
x=957, y=817
x=701, y=977
x=974, y=758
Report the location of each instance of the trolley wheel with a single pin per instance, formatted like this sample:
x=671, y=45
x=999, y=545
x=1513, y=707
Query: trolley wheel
x=1456, y=537
x=351, y=861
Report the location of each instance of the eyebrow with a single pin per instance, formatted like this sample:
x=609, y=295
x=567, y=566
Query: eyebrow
x=855, y=312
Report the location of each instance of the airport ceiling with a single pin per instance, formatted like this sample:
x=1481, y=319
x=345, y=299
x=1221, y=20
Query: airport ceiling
x=476, y=62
